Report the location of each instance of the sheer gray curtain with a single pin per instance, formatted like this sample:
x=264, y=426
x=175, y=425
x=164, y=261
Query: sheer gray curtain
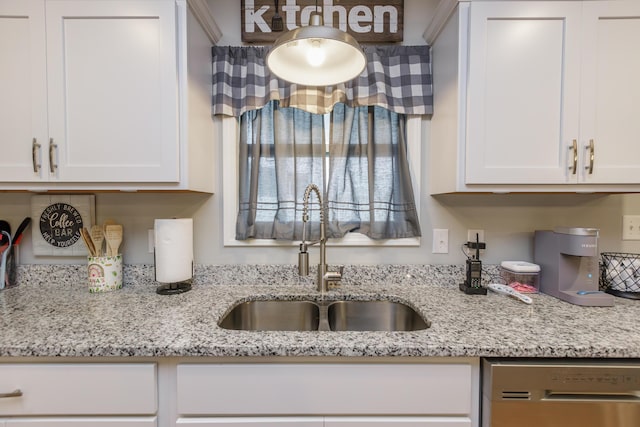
x=281, y=151
x=369, y=188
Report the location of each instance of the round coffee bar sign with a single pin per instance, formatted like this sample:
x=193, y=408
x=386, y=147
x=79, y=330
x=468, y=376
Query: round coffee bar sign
x=60, y=225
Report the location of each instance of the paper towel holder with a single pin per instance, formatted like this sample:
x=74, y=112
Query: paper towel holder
x=173, y=255
x=172, y=288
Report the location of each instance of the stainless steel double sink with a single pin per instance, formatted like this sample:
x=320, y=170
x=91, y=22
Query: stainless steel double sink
x=342, y=315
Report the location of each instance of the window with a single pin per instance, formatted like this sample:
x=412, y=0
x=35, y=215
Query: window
x=397, y=78
x=311, y=161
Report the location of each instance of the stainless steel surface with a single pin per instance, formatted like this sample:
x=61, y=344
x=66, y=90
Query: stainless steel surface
x=325, y=277
x=34, y=155
x=574, y=147
x=373, y=316
x=52, y=164
x=281, y=315
x=592, y=156
x=303, y=260
x=15, y=393
x=577, y=231
x=273, y=315
x=560, y=393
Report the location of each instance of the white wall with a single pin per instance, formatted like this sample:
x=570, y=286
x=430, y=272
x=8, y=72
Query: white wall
x=508, y=220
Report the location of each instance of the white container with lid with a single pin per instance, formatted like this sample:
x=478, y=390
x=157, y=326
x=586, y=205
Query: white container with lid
x=521, y=275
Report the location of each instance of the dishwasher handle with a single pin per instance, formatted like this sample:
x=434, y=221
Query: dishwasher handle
x=628, y=396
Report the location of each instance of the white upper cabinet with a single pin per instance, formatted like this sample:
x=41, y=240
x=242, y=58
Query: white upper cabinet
x=543, y=95
x=112, y=101
x=23, y=90
x=96, y=95
x=610, y=95
x=523, y=92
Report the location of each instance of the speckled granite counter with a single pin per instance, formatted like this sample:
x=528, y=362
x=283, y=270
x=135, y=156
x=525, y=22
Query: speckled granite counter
x=51, y=313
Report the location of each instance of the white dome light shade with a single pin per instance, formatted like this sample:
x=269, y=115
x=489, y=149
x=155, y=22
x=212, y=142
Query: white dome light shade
x=316, y=55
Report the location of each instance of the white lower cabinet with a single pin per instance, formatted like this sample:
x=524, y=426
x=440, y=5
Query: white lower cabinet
x=253, y=422
x=326, y=394
x=395, y=421
x=325, y=422
x=78, y=394
x=83, y=422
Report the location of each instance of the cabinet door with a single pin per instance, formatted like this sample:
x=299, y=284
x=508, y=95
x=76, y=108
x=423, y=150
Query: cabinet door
x=610, y=111
x=112, y=92
x=523, y=92
x=396, y=421
x=23, y=88
x=252, y=422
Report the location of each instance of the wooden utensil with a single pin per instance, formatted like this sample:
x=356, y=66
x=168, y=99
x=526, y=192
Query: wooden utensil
x=104, y=232
x=86, y=237
x=113, y=234
x=97, y=237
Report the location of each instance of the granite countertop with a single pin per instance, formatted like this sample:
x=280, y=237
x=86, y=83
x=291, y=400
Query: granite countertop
x=51, y=313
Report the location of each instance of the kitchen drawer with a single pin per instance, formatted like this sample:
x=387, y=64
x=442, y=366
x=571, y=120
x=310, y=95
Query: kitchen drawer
x=82, y=422
x=78, y=389
x=338, y=389
x=252, y=422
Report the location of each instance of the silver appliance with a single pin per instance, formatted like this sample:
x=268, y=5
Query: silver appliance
x=560, y=393
x=568, y=260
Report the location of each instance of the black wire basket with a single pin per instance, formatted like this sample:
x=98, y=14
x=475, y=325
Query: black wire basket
x=620, y=274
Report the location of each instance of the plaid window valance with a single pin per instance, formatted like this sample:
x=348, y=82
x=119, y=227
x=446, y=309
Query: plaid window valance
x=396, y=77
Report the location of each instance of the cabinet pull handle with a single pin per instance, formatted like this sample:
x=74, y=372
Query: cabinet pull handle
x=52, y=147
x=15, y=393
x=592, y=155
x=34, y=155
x=574, y=147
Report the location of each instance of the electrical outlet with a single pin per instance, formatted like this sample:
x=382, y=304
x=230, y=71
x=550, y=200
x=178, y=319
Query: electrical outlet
x=440, y=241
x=631, y=227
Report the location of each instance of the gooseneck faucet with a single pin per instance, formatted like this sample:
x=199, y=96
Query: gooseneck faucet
x=325, y=277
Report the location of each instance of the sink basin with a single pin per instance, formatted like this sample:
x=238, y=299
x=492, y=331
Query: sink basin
x=373, y=316
x=273, y=315
x=282, y=315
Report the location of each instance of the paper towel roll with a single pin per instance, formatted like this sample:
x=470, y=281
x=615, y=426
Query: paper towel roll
x=173, y=249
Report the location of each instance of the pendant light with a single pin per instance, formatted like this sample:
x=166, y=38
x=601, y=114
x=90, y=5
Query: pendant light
x=316, y=55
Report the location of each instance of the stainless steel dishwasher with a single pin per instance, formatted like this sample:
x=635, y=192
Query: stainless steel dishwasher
x=560, y=393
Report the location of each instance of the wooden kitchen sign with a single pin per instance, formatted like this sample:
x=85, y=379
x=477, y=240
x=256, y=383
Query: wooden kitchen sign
x=58, y=221
x=374, y=21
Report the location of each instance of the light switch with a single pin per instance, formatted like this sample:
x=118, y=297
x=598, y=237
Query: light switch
x=440, y=241
x=631, y=227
